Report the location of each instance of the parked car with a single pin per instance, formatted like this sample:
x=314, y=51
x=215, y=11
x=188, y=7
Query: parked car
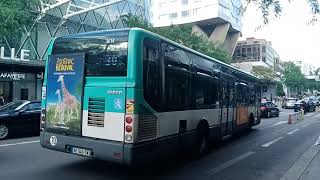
x=289, y=103
x=268, y=109
x=20, y=117
x=306, y=104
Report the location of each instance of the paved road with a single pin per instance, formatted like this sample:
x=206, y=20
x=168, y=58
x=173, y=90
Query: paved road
x=265, y=153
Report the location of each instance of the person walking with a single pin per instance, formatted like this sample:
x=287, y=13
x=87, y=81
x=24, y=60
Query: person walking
x=1, y=100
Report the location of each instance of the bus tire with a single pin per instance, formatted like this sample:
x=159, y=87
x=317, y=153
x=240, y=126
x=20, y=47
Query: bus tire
x=251, y=121
x=202, y=145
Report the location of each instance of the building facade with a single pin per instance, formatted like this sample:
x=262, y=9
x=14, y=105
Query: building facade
x=217, y=20
x=250, y=53
x=23, y=56
x=256, y=52
x=306, y=68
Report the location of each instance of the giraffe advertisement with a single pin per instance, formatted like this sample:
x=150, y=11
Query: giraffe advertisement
x=64, y=91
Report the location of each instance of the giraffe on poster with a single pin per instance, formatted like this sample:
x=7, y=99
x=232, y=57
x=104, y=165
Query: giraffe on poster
x=70, y=102
x=59, y=108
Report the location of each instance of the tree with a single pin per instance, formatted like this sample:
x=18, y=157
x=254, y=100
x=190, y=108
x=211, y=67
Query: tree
x=263, y=73
x=269, y=7
x=293, y=77
x=14, y=14
x=280, y=91
x=182, y=34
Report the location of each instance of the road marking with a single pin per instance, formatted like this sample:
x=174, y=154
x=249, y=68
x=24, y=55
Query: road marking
x=305, y=125
x=230, y=163
x=293, y=131
x=271, y=142
x=281, y=122
x=14, y=144
x=317, y=142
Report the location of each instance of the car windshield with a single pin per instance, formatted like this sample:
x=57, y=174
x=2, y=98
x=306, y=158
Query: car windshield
x=11, y=106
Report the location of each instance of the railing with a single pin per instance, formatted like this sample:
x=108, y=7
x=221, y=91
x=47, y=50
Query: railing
x=296, y=117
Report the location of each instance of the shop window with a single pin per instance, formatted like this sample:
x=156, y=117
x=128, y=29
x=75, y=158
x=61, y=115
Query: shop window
x=24, y=94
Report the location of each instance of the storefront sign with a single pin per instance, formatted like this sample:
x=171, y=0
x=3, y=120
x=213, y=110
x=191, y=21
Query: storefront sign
x=23, y=55
x=13, y=76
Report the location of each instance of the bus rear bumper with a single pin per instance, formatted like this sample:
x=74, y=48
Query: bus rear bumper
x=111, y=151
x=101, y=149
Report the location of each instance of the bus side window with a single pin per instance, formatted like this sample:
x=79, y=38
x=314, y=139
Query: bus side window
x=151, y=73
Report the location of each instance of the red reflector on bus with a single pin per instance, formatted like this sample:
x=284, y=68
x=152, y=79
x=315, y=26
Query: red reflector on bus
x=117, y=155
x=128, y=128
x=129, y=119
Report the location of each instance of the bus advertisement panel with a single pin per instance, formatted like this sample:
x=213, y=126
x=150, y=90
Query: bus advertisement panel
x=64, y=91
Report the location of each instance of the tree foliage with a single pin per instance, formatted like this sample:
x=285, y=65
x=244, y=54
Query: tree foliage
x=293, y=76
x=14, y=14
x=263, y=73
x=280, y=91
x=183, y=35
x=274, y=7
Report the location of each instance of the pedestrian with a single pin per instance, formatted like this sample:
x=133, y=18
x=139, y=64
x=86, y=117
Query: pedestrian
x=1, y=100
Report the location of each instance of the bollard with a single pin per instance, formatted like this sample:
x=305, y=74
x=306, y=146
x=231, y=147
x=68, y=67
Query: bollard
x=289, y=121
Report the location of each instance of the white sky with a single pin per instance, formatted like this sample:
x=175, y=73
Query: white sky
x=291, y=36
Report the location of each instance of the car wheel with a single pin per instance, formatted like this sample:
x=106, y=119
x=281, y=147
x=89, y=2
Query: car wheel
x=4, y=131
x=269, y=114
x=278, y=113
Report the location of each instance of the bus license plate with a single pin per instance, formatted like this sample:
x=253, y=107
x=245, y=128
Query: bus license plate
x=82, y=152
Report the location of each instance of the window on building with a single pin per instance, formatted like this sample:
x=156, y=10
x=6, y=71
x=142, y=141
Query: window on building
x=184, y=2
x=185, y=13
x=24, y=94
x=263, y=48
x=173, y=15
x=254, y=49
x=196, y=11
x=163, y=16
x=249, y=49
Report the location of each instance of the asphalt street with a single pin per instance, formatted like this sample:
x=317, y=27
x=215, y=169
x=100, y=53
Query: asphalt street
x=267, y=152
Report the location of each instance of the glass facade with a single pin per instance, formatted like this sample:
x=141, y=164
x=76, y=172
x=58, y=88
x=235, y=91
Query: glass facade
x=57, y=20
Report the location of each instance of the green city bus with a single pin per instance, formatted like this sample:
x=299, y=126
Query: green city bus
x=130, y=96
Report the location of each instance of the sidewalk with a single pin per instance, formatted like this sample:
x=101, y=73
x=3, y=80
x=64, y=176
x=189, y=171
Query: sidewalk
x=307, y=167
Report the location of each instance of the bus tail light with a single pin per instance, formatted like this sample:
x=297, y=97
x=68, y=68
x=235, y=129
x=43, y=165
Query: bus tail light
x=129, y=122
x=43, y=119
x=128, y=128
x=129, y=119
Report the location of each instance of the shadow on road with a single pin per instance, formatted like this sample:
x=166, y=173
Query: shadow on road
x=172, y=166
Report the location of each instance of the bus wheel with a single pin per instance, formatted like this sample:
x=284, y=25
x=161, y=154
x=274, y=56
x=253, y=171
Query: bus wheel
x=202, y=141
x=4, y=131
x=251, y=122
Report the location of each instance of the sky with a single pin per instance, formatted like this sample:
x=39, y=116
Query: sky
x=291, y=35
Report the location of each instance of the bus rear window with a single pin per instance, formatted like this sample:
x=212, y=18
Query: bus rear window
x=105, y=55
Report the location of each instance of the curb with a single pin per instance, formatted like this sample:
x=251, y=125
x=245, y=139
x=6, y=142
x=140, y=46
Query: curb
x=301, y=165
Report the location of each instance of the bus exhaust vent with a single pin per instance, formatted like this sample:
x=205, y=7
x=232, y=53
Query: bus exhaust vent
x=147, y=124
x=96, y=112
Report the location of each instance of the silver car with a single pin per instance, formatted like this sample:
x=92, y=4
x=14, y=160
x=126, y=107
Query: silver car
x=289, y=103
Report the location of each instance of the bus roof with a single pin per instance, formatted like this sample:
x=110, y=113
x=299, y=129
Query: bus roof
x=93, y=33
